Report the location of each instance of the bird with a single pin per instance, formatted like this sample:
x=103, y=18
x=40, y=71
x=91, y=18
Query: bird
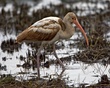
x=48, y=31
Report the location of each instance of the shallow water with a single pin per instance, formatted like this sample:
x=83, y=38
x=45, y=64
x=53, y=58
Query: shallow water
x=76, y=72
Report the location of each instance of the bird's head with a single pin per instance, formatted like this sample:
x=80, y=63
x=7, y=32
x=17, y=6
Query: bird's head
x=71, y=17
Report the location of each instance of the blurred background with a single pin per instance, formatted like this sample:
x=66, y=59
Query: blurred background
x=85, y=65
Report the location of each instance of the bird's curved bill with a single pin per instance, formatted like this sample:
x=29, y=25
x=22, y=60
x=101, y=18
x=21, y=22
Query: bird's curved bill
x=81, y=29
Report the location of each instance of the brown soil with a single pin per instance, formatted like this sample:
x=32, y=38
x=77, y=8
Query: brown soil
x=10, y=82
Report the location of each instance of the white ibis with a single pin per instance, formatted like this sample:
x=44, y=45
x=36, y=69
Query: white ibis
x=49, y=30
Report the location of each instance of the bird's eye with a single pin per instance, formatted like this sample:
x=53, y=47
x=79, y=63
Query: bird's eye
x=73, y=18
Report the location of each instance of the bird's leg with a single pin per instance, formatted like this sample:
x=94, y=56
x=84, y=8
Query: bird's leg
x=38, y=55
x=60, y=62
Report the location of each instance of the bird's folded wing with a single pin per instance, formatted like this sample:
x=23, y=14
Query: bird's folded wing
x=43, y=30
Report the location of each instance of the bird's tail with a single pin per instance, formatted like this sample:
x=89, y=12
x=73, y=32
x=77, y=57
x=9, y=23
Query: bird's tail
x=21, y=36
x=19, y=39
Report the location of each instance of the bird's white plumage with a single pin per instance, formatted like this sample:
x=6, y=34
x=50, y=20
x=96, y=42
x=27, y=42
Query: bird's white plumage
x=46, y=25
x=45, y=20
x=52, y=25
x=42, y=30
x=52, y=18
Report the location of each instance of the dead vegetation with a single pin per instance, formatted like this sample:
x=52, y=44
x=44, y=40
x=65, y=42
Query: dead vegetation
x=9, y=82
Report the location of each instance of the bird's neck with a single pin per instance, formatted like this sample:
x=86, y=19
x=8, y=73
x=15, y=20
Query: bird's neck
x=69, y=26
x=69, y=31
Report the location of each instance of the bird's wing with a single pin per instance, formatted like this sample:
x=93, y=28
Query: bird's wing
x=43, y=30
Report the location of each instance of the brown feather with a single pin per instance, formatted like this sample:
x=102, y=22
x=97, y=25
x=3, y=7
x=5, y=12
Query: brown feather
x=38, y=34
x=22, y=36
x=63, y=27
